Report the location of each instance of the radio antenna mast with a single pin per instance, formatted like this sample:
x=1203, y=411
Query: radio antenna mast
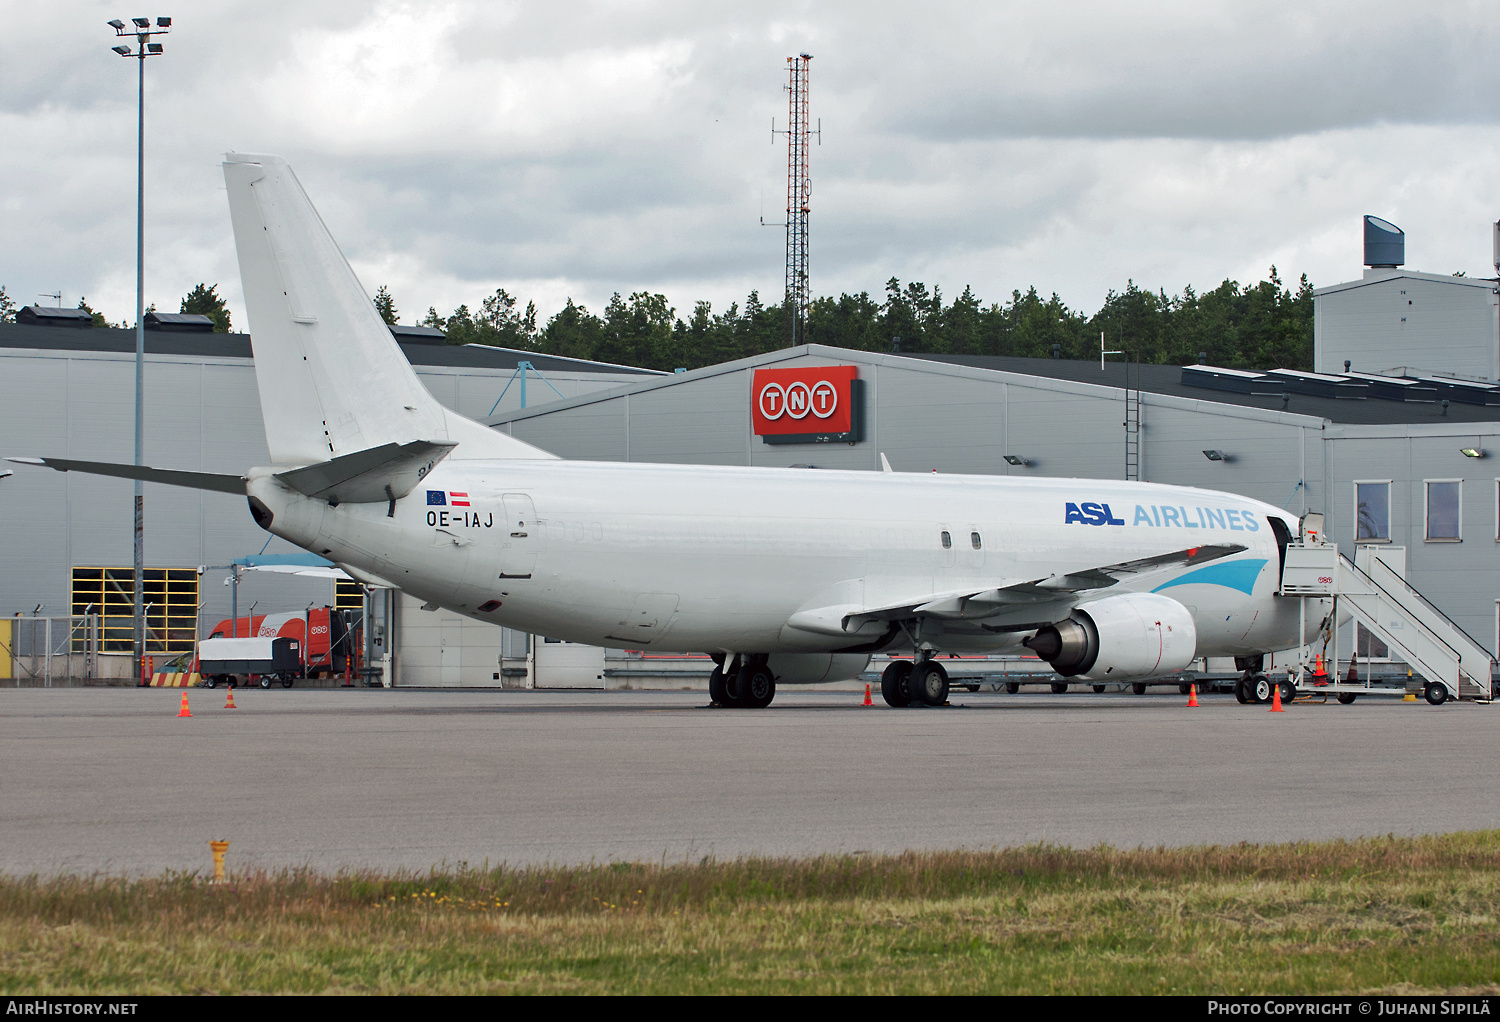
x=798, y=193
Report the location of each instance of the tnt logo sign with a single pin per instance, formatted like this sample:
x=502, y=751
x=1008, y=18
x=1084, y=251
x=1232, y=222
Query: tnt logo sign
x=810, y=400
x=1089, y=514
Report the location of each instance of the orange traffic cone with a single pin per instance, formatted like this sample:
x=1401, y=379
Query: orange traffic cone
x=868, y=700
x=229, y=705
x=1192, y=695
x=184, y=712
x=1276, y=699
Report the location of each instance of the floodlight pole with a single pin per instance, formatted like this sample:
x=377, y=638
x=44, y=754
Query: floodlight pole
x=144, y=48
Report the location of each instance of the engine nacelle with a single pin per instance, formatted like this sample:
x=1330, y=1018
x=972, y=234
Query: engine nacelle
x=812, y=668
x=1120, y=638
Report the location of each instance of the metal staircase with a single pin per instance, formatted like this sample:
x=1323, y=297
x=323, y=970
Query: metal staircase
x=1393, y=610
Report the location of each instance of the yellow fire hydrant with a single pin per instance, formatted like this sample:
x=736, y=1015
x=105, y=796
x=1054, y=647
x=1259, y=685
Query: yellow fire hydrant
x=218, y=848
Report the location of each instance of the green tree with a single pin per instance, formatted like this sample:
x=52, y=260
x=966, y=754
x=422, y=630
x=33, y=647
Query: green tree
x=7, y=307
x=205, y=301
x=99, y=320
x=386, y=306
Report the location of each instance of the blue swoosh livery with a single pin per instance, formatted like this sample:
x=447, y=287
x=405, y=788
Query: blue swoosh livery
x=1239, y=575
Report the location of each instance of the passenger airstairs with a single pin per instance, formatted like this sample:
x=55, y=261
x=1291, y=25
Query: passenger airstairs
x=1392, y=610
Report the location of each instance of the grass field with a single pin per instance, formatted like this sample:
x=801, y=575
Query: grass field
x=1398, y=915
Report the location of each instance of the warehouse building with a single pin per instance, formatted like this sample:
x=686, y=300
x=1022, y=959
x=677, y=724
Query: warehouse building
x=1395, y=449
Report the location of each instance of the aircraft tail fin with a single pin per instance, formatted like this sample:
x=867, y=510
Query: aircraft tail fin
x=332, y=379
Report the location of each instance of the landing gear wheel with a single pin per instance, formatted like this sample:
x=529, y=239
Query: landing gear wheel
x=1241, y=696
x=732, y=688
x=1012, y=687
x=1059, y=687
x=718, y=692
x=757, y=687
x=893, y=683
x=1259, y=689
x=1139, y=688
x=1288, y=691
x=1098, y=689
x=1347, y=697
x=1436, y=693
x=928, y=684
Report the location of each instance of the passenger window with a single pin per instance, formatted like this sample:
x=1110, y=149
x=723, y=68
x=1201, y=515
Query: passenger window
x=947, y=541
x=974, y=538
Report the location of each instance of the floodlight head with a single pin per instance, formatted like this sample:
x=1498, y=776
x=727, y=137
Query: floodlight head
x=123, y=51
x=1215, y=455
x=1473, y=452
x=142, y=22
x=116, y=24
x=1016, y=459
x=153, y=47
x=163, y=22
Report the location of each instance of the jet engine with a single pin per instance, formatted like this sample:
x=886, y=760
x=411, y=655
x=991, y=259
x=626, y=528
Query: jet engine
x=1120, y=638
x=812, y=668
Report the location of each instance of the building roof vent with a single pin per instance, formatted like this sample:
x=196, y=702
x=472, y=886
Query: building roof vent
x=43, y=315
x=179, y=322
x=1385, y=243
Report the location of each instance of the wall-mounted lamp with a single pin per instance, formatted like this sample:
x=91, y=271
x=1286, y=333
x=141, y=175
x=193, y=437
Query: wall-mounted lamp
x=1017, y=460
x=1473, y=452
x=1217, y=456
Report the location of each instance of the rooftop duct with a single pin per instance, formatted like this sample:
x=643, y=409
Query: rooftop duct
x=1385, y=243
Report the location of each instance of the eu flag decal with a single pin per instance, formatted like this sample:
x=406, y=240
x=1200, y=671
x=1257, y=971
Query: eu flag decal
x=437, y=497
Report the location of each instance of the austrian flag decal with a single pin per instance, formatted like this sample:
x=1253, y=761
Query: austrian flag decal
x=447, y=498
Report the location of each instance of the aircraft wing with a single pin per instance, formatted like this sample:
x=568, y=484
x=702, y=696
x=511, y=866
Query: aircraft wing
x=1005, y=603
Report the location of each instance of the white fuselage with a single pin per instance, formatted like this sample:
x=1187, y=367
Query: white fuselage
x=709, y=558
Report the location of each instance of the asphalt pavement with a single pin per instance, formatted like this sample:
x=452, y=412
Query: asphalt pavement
x=112, y=780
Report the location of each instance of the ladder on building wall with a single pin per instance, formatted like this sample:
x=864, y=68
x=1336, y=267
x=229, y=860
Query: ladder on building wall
x=1392, y=609
x=1132, y=424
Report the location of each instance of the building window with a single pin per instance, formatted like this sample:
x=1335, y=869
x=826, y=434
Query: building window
x=1372, y=511
x=171, y=597
x=1444, y=510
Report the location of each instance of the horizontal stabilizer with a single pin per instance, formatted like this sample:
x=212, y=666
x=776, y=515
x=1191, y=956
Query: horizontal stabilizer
x=387, y=472
x=169, y=477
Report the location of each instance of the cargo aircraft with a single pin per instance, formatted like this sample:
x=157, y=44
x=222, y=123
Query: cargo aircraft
x=783, y=576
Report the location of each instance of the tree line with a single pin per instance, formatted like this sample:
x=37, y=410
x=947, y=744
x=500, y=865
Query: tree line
x=203, y=299
x=1264, y=325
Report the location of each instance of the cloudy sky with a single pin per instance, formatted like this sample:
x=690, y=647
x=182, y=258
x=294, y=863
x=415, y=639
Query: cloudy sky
x=577, y=149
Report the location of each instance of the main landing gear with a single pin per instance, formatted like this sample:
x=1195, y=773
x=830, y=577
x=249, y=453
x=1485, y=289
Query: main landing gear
x=745, y=682
x=923, y=682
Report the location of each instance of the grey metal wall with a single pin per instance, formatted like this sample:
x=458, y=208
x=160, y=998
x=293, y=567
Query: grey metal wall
x=1438, y=324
